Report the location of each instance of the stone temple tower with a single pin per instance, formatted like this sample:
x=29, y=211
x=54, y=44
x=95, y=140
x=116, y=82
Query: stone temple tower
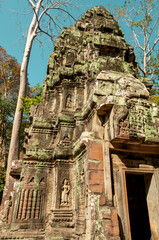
x=90, y=169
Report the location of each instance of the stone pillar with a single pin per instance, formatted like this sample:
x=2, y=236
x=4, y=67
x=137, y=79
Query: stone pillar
x=107, y=173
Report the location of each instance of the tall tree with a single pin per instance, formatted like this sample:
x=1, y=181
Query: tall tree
x=9, y=86
x=142, y=18
x=43, y=21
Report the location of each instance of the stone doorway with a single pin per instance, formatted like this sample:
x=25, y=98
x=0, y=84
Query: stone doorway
x=137, y=206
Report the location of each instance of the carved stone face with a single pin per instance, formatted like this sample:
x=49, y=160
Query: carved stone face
x=65, y=182
x=70, y=58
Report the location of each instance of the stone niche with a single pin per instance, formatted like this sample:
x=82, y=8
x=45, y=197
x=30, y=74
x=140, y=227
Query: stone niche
x=90, y=168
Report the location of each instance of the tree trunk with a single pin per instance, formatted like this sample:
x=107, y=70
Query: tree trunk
x=2, y=141
x=145, y=55
x=14, y=144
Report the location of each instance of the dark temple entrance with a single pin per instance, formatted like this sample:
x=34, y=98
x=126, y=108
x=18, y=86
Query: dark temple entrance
x=137, y=204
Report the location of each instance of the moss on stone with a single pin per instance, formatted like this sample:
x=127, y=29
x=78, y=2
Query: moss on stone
x=97, y=33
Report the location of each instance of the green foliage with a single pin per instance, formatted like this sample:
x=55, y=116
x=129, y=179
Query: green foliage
x=153, y=71
x=9, y=76
x=34, y=99
x=154, y=99
x=6, y=119
x=9, y=86
x=153, y=68
x=142, y=18
x=2, y=180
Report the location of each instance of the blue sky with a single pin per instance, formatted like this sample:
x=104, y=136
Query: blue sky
x=14, y=27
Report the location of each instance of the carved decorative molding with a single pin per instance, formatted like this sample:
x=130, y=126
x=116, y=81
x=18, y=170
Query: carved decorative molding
x=29, y=205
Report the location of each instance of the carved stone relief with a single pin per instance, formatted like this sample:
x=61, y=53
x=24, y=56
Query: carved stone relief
x=124, y=127
x=29, y=205
x=7, y=210
x=65, y=193
x=68, y=101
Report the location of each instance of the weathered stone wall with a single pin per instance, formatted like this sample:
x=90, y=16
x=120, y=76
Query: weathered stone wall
x=94, y=126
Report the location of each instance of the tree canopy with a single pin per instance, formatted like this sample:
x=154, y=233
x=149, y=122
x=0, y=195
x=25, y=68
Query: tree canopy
x=141, y=16
x=9, y=86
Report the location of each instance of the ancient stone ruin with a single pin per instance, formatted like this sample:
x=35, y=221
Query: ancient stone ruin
x=90, y=169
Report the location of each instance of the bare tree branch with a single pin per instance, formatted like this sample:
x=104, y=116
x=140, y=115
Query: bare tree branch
x=150, y=51
x=150, y=34
x=40, y=30
x=141, y=70
x=135, y=36
x=45, y=10
x=31, y=3
x=52, y=19
x=66, y=12
x=52, y=6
